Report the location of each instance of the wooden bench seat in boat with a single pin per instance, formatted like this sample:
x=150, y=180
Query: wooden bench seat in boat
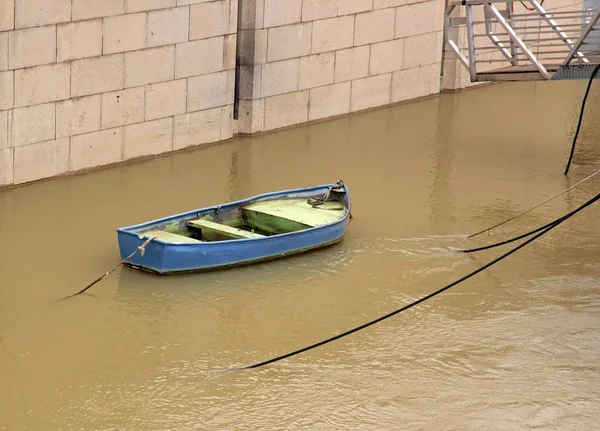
x=168, y=236
x=299, y=211
x=229, y=231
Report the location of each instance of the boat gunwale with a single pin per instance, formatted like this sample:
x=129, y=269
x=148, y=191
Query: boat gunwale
x=128, y=229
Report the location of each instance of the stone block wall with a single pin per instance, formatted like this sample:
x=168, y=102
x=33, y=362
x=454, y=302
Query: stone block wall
x=85, y=83
x=305, y=60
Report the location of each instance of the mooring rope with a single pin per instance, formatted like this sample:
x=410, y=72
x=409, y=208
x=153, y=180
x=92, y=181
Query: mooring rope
x=532, y=208
x=587, y=91
x=508, y=241
x=141, y=248
x=424, y=298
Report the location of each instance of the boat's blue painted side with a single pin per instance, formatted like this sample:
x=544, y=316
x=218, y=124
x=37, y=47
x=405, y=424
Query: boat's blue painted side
x=163, y=257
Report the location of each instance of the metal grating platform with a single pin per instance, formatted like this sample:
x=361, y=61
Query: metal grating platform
x=575, y=71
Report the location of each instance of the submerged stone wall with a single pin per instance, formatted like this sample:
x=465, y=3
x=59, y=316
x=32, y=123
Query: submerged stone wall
x=87, y=83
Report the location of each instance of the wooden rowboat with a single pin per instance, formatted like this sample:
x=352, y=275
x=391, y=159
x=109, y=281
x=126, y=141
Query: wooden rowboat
x=260, y=228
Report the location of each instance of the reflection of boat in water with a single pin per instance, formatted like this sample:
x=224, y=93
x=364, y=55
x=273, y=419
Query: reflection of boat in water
x=260, y=228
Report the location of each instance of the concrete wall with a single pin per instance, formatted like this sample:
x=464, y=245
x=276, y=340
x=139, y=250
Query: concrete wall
x=305, y=60
x=85, y=83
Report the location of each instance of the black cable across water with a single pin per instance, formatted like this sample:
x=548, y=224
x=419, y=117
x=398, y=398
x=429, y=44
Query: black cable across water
x=587, y=91
x=549, y=227
x=498, y=244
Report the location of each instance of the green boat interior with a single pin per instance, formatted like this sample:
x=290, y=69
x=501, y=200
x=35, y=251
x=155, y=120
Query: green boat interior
x=254, y=220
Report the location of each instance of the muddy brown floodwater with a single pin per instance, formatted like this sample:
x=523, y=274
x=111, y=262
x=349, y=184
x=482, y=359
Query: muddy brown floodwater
x=515, y=347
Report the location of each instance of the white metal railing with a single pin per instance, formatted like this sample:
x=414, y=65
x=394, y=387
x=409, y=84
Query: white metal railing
x=502, y=41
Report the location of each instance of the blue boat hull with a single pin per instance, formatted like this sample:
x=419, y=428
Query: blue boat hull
x=163, y=257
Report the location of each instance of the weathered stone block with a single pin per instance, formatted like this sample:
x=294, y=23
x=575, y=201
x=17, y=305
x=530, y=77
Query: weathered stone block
x=280, y=77
x=250, y=82
x=382, y=4
x=96, y=149
x=286, y=110
x=253, y=47
x=289, y=41
x=6, y=167
x=415, y=19
x=207, y=91
x=230, y=87
x=420, y=50
x=165, y=99
x=41, y=160
x=229, y=51
x=4, y=129
x=375, y=26
x=197, y=128
x=440, y=46
x=329, y=101
x=77, y=116
x=79, y=40
x=32, y=124
x=252, y=14
x=316, y=70
x=416, y=82
x=313, y=10
x=151, y=137
x=7, y=14
x=33, y=13
x=209, y=19
x=3, y=51
x=168, y=26
x=42, y=84
x=282, y=12
x=228, y=124
x=438, y=15
x=149, y=66
x=233, y=16
x=251, y=116
x=347, y=7
x=96, y=75
x=352, y=63
x=86, y=9
x=386, y=56
x=123, y=107
x=371, y=92
x=145, y=5
x=199, y=57
x=31, y=47
x=331, y=34
x=124, y=33
x=6, y=90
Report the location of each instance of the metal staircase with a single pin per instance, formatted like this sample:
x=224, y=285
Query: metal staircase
x=495, y=43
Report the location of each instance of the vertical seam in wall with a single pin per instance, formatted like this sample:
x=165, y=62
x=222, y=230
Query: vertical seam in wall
x=100, y=103
x=145, y=100
x=172, y=131
x=187, y=86
x=390, y=88
x=189, y=22
x=55, y=123
x=395, y=18
x=354, y=36
x=266, y=47
x=102, y=38
x=147, y=30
